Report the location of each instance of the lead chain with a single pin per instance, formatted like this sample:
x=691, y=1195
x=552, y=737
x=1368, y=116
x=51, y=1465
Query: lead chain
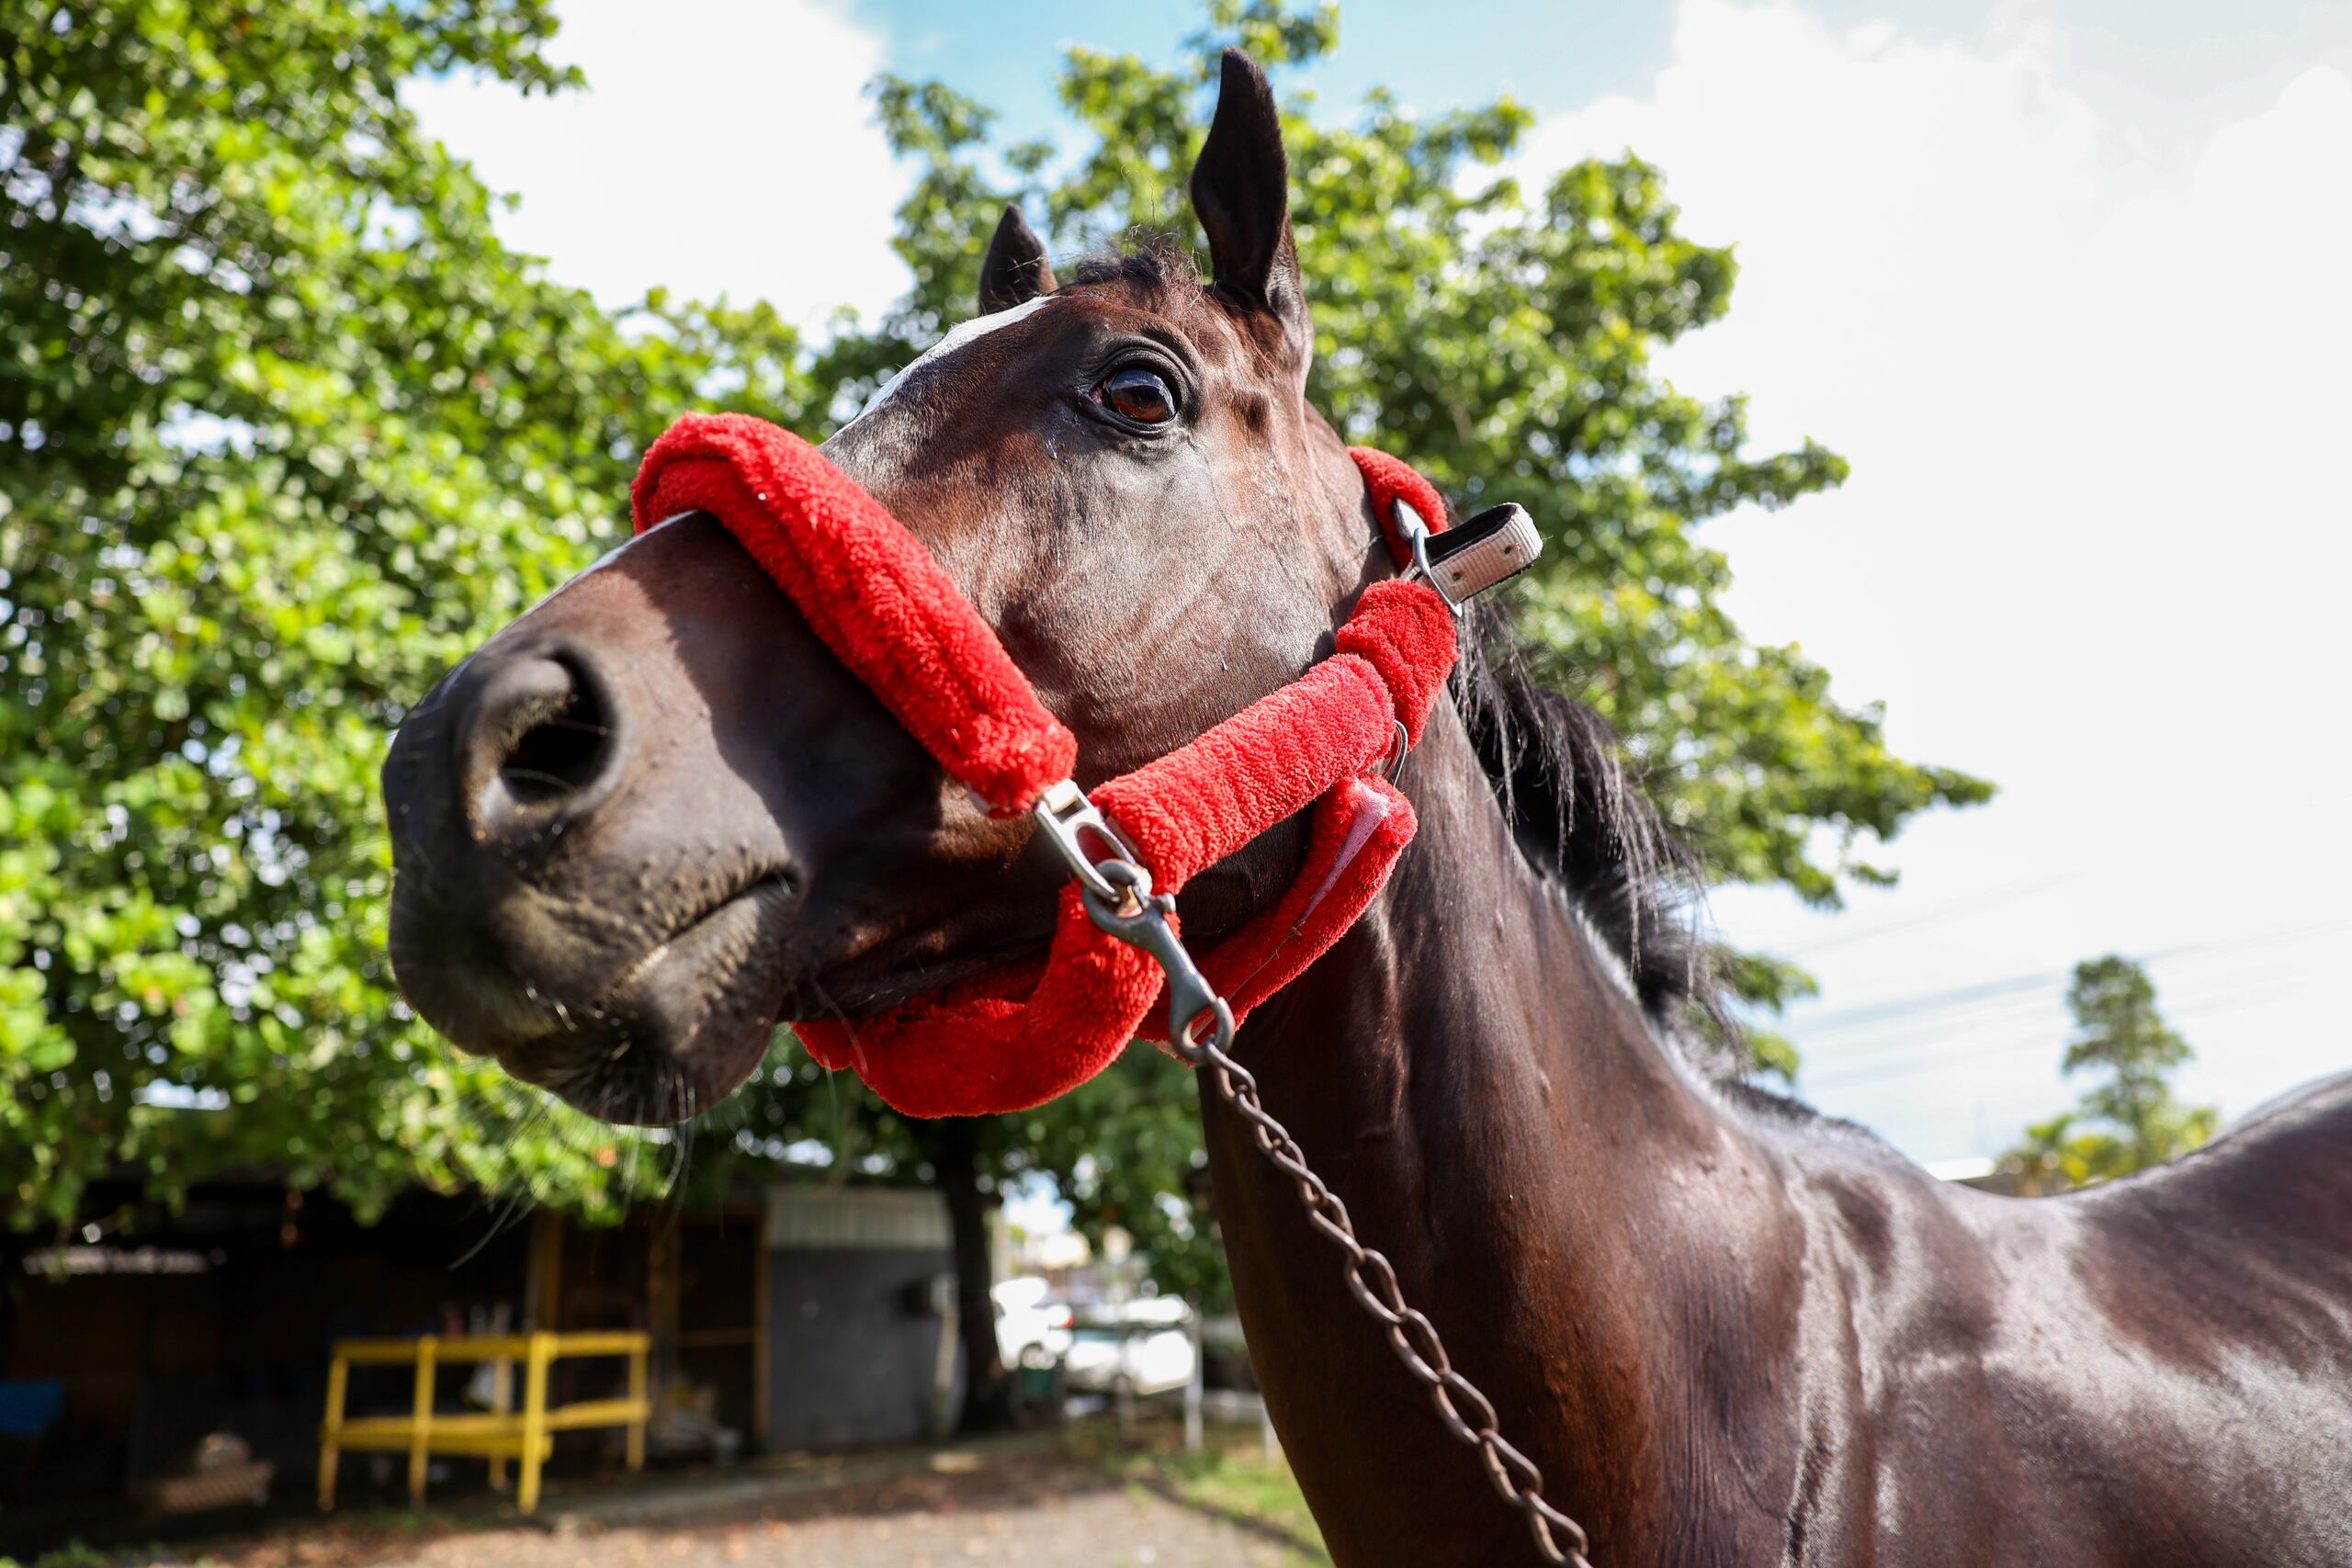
x=1373, y=1281
x=1119, y=899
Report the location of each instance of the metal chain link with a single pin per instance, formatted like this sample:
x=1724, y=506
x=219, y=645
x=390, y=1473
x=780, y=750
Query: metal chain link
x=1119, y=899
x=1372, y=1280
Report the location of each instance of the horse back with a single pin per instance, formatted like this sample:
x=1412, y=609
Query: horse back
x=2154, y=1372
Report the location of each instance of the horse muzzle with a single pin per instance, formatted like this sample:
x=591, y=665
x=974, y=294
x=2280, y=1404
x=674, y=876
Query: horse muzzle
x=577, y=893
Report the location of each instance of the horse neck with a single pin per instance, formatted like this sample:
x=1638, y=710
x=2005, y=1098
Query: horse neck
x=1472, y=1079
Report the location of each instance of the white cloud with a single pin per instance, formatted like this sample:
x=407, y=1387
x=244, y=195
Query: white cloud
x=721, y=146
x=2096, y=542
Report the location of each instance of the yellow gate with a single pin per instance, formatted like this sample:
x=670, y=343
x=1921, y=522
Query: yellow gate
x=499, y=1434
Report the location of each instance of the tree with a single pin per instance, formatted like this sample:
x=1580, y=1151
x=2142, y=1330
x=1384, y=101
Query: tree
x=1504, y=341
x=286, y=429
x=283, y=429
x=2130, y=1119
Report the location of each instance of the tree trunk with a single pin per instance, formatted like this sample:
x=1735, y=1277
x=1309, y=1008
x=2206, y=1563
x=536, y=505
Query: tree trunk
x=954, y=1145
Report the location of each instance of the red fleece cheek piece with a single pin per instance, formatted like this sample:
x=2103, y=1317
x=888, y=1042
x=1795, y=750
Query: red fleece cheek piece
x=1357, y=833
x=871, y=590
x=1193, y=808
x=1405, y=632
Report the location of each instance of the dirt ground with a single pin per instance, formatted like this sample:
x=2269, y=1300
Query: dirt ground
x=1035, y=1511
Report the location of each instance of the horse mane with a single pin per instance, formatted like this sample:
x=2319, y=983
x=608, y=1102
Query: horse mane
x=1587, y=825
x=1586, y=822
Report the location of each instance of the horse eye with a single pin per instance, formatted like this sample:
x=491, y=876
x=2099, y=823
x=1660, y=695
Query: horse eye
x=1137, y=394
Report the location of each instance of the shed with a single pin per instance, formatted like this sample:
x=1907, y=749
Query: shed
x=862, y=1347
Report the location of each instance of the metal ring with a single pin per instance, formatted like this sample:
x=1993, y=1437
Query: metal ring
x=1066, y=817
x=1400, y=746
x=1186, y=1043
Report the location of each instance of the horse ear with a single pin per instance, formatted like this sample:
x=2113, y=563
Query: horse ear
x=1241, y=193
x=1015, y=270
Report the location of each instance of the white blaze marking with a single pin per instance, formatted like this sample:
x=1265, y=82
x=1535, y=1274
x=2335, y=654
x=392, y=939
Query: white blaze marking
x=961, y=336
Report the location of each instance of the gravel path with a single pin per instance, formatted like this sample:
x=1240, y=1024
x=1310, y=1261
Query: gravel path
x=1095, y=1531
x=1042, y=1512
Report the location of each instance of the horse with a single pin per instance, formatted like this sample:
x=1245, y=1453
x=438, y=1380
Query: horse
x=655, y=816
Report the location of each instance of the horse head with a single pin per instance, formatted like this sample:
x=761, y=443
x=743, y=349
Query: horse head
x=655, y=815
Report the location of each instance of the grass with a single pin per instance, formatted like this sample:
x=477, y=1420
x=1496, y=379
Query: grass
x=1230, y=1478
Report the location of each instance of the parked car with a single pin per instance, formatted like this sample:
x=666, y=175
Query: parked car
x=1032, y=1329
x=1144, y=1345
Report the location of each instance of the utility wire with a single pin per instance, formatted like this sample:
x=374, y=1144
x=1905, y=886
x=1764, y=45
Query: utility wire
x=1938, y=1001
x=1871, y=932
x=1844, y=1041
x=1881, y=1069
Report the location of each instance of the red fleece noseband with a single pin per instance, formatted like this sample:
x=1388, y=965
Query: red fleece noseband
x=880, y=600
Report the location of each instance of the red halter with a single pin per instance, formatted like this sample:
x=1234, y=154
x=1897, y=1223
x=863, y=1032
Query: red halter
x=1017, y=1037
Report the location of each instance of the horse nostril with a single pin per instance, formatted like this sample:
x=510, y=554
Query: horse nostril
x=541, y=741
x=560, y=755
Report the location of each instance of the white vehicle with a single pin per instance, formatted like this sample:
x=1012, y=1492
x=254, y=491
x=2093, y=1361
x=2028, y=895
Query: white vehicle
x=1031, y=1331
x=1144, y=1346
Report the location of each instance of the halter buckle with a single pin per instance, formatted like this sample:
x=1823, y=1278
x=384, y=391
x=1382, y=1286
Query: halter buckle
x=1473, y=555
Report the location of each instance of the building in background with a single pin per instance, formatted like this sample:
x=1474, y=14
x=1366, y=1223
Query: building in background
x=804, y=1317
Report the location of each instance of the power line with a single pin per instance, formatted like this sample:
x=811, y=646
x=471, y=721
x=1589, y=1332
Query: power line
x=2198, y=1001
x=1885, y=1069
x=1939, y=1001
x=1932, y=1001
x=1993, y=899
x=1857, y=1042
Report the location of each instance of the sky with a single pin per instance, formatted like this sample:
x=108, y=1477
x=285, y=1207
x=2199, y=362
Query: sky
x=2066, y=282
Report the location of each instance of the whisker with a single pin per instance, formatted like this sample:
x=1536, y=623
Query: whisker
x=516, y=771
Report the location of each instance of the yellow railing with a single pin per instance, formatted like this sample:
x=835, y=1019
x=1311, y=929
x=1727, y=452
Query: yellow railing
x=498, y=1433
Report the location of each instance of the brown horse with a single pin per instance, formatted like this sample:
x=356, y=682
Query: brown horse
x=655, y=816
